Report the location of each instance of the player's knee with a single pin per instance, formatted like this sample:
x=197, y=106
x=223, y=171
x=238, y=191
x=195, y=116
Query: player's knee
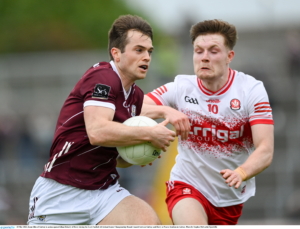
x=155, y=221
x=132, y=211
x=149, y=219
x=145, y=215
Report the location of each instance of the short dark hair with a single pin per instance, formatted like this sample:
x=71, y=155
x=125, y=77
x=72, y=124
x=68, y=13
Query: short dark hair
x=215, y=26
x=117, y=34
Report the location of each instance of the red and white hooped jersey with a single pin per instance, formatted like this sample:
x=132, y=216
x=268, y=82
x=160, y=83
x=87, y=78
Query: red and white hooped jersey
x=220, y=136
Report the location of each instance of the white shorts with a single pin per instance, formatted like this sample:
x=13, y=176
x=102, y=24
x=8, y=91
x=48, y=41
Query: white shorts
x=55, y=203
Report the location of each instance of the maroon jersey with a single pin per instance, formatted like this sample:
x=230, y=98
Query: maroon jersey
x=73, y=160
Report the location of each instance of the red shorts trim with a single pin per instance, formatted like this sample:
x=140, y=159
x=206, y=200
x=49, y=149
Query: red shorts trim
x=177, y=191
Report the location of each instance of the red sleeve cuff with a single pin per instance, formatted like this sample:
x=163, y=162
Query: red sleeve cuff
x=262, y=121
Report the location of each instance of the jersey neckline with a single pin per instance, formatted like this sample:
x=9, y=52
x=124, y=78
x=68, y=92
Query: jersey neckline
x=126, y=94
x=222, y=90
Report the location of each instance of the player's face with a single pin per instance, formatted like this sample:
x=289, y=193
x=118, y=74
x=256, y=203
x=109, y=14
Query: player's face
x=211, y=57
x=134, y=62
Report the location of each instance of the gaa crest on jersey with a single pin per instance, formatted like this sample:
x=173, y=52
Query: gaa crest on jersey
x=235, y=104
x=101, y=91
x=191, y=100
x=186, y=191
x=133, y=110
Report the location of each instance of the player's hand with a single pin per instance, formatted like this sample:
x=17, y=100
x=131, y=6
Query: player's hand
x=161, y=136
x=232, y=178
x=179, y=120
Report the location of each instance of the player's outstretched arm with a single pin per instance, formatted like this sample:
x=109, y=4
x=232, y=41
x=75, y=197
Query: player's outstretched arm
x=178, y=119
x=101, y=130
x=259, y=160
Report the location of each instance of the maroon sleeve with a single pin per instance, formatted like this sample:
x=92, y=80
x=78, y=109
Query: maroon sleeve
x=100, y=84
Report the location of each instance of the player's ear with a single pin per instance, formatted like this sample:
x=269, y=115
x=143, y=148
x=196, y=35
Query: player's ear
x=230, y=56
x=115, y=52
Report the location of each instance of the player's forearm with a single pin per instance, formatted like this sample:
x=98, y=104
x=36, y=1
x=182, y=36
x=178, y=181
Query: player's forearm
x=153, y=111
x=258, y=161
x=114, y=134
x=261, y=158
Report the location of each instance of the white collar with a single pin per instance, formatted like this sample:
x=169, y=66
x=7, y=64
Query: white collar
x=112, y=63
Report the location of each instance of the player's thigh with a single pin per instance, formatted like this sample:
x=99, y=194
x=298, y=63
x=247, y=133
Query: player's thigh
x=189, y=211
x=131, y=211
